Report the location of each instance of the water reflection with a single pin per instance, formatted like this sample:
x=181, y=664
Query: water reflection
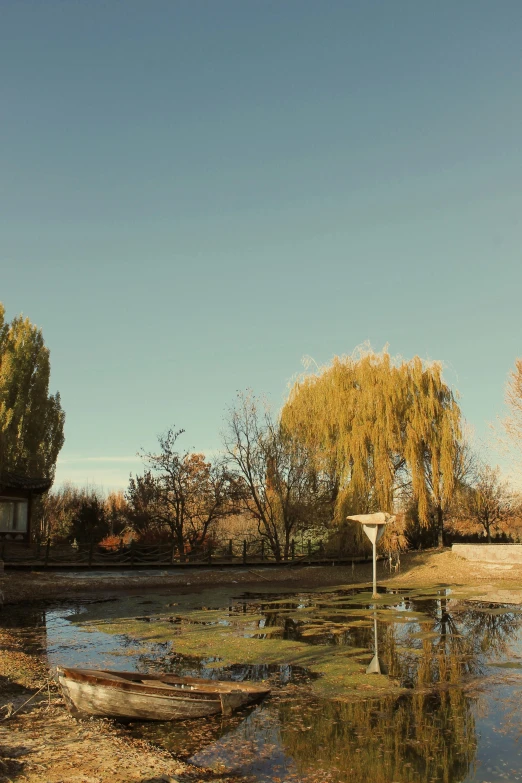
x=211, y=668
x=423, y=737
x=419, y=641
x=434, y=646
x=376, y=666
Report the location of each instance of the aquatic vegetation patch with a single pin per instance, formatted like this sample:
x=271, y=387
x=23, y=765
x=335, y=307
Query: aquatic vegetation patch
x=341, y=674
x=423, y=635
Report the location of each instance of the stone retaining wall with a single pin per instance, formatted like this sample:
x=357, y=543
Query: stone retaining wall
x=489, y=553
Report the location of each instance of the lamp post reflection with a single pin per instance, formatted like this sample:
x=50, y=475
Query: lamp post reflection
x=376, y=666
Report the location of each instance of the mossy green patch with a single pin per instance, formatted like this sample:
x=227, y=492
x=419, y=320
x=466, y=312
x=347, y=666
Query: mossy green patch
x=327, y=632
x=338, y=668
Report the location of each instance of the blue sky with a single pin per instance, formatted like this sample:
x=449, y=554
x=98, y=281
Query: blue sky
x=195, y=195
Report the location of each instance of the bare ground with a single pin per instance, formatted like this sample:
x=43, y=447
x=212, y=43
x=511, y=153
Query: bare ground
x=43, y=743
x=48, y=745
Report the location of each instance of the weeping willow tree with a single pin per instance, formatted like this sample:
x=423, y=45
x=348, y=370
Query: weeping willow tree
x=377, y=424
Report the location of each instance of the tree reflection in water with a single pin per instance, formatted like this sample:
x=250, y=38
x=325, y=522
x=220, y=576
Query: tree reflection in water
x=417, y=738
x=456, y=641
x=421, y=737
x=425, y=736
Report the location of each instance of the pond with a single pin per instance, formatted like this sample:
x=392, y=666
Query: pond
x=443, y=706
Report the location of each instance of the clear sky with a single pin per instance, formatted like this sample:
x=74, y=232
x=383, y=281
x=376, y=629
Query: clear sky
x=194, y=195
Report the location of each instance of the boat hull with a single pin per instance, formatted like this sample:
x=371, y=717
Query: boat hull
x=110, y=702
x=106, y=695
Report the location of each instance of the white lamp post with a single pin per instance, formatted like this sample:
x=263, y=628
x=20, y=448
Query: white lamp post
x=373, y=526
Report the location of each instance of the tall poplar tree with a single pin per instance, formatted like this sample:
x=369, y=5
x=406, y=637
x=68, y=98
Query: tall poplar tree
x=31, y=419
x=374, y=424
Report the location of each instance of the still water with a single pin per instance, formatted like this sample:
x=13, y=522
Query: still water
x=445, y=706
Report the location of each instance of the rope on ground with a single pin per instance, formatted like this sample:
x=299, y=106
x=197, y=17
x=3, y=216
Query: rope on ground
x=9, y=706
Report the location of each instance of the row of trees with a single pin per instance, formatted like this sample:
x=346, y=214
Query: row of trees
x=81, y=514
x=365, y=433
x=483, y=506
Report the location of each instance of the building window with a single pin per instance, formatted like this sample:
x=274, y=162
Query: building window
x=13, y=516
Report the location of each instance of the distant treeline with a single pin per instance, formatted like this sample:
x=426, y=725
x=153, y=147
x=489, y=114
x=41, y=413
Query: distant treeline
x=367, y=432
x=364, y=433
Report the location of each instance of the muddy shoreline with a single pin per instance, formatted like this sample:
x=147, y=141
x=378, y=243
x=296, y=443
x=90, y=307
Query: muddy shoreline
x=430, y=567
x=42, y=742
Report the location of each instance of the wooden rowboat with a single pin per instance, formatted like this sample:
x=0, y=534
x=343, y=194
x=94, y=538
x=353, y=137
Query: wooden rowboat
x=136, y=696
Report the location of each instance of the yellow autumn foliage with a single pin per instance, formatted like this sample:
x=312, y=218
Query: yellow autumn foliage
x=374, y=422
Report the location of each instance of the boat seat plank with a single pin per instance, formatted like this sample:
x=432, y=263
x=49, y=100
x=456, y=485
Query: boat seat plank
x=160, y=684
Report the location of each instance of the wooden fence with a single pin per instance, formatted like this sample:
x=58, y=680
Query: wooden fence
x=134, y=555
